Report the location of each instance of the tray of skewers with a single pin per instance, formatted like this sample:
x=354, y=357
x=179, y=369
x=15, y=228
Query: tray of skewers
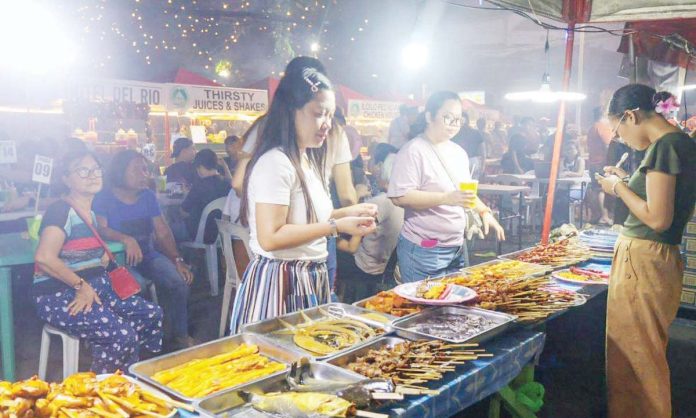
x=454, y=324
x=557, y=255
x=308, y=389
x=390, y=303
x=323, y=331
x=409, y=364
x=199, y=372
x=85, y=395
x=530, y=299
x=582, y=276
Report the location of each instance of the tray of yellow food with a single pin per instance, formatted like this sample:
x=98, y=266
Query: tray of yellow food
x=388, y=302
x=506, y=269
x=198, y=372
x=323, y=331
x=85, y=395
x=582, y=276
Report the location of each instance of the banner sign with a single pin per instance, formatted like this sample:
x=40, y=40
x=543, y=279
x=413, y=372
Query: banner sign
x=137, y=92
x=370, y=109
x=211, y=99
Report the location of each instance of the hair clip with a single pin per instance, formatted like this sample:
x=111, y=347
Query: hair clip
x=312, y=72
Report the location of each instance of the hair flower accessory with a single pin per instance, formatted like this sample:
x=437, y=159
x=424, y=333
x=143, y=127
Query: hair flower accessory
x=666, y=107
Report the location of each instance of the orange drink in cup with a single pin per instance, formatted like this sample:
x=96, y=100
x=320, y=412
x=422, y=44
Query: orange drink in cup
x=469, y=186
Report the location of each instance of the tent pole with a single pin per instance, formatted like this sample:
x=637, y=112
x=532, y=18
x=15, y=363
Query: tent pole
x=558, y=140
x=581, y=77
x=633, y=59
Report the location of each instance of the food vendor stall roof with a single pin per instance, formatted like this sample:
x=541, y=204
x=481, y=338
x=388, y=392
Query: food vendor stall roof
x=597, y=11
x=663, y=40
x=269, y=83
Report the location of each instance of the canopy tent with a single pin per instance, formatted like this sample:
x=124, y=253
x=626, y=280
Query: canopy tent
x=269, y=83
x=663, y=40
x=575, y=12
x=589, y=11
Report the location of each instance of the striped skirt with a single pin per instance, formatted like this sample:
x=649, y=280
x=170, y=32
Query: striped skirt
x=271, y=288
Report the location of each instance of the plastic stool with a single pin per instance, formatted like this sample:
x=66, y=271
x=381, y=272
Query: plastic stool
x=71, y=351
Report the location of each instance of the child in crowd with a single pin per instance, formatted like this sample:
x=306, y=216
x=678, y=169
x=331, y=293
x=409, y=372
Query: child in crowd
x=362, y=262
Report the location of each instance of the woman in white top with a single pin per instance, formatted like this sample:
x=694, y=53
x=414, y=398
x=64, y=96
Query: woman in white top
x=287, y=204
x=425, y=182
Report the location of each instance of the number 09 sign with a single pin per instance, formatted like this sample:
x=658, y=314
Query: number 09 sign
x=43, y=168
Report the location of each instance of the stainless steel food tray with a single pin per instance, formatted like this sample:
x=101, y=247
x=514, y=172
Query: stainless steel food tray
x=268, y=327
x=542, y=269
x=230, y=405
x=553, y=267
x=145, y=369
x=349, y=356
x=502, y=321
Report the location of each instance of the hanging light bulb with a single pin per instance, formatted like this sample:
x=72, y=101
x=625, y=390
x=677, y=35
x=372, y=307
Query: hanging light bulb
x=545, y=94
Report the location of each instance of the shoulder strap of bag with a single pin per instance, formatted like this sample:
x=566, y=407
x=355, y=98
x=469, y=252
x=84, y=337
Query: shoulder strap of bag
x=94, y=232
x=442, y=162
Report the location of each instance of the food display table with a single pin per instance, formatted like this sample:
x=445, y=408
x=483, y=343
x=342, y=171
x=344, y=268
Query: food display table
x=16, y=250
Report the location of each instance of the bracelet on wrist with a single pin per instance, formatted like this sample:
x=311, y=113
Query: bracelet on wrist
x=334, y=228
x=613, y=187
x=79, y=284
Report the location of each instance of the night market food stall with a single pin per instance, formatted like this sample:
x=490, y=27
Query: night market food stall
x=431, y=348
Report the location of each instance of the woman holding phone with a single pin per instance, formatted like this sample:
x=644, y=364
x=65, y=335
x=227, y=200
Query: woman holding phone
x=646, y=273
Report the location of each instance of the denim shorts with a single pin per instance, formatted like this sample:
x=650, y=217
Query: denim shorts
x=417, y=263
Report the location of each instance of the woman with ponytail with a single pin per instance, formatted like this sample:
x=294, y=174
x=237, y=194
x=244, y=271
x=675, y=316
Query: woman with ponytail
x=287, y=206
x=646, y=274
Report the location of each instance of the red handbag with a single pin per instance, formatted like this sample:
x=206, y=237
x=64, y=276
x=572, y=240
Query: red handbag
x=122, y=281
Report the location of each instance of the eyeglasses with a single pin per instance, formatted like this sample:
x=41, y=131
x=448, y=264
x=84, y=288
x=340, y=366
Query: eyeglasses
x=84, y=172
x=452, y=120
x=615, y=132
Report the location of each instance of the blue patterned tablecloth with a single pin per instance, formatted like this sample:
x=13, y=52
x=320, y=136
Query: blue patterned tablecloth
x=475, y=381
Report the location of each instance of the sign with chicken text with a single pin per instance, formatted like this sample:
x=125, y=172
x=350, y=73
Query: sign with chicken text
x=372, y=109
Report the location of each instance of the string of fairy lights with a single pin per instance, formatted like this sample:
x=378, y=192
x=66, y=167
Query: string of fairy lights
x=207, y=35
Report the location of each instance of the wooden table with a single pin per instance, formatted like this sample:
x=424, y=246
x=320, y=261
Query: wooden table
x=16, y=250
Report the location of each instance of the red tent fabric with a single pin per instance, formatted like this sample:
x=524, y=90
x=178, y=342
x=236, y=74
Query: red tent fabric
x=660, y=40
x=188, y=77
x=344, y=94
x=268, y=83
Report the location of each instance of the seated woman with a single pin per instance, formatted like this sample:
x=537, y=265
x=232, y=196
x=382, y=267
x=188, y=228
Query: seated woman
x=128, y=212
x=72, y=290
x=208, y=187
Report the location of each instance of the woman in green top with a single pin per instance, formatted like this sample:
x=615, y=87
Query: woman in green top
x=647, y=269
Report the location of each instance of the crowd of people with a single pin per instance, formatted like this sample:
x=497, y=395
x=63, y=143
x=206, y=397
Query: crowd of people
x=327, y=222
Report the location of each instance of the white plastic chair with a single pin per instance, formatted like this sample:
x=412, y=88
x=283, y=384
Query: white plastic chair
x=229, y=231
x=71, y=351
x=211, y=259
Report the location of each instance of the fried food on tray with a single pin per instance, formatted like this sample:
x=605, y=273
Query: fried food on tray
x=390, y=303
x=430, y=290
x=302, y=404
x=80, y=395
x=201, y=377
x=505, y=269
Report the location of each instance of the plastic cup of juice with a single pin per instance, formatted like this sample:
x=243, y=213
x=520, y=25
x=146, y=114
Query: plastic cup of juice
x=33, y=225
x=469, y=186
x=162, y=184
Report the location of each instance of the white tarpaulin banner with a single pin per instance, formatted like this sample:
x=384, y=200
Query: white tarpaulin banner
x=138, y=92
x=212, y=99
x=371, y=109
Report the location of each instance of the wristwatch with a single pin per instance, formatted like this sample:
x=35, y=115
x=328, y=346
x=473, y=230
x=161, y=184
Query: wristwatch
x=79, y=284
x=178, y=260
x=334, y=228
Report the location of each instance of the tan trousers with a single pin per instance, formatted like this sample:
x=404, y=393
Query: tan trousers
x=644, y=293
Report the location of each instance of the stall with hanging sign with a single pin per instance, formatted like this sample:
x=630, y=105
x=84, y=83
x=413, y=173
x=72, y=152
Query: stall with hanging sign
x=372, y=117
